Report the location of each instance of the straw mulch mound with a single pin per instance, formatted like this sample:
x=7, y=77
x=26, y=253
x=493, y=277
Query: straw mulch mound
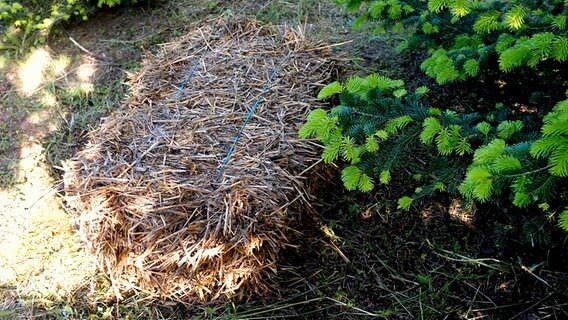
x=152, y=197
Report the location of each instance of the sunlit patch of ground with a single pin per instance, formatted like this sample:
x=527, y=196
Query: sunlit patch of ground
x=31, y=73
x=42, y=261
x=40, y=256
x=461, y=213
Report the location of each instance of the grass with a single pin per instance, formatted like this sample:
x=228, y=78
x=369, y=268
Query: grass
x=416, y=268
x=370, y=261
x=279, y=11
x=85, y=111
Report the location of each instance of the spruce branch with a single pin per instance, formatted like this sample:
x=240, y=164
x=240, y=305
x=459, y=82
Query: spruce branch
x=528, y=172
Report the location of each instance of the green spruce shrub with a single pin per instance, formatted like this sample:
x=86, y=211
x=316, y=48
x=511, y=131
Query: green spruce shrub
x=382, y=131
x=464, y=37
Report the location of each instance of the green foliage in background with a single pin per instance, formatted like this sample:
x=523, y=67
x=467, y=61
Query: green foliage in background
x=464, y=37
x=380, y=130
x=27, y=23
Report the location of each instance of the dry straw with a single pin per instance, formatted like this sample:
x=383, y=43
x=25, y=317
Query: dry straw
x=148, y=191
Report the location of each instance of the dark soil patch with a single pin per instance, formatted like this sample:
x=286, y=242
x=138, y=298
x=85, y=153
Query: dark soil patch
x=427, y=264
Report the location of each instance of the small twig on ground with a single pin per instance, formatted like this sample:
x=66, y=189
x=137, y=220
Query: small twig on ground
x=353, y=307
x=310, y=167
x=278, y=307
x=524, y=268
x=477, y=291
x=336, y=249
x=53, y=189
x=96, y=56
x=531, y=306
x=329, y=46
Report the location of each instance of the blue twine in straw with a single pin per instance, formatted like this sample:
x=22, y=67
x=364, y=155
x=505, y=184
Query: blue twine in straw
x=188, y=77
x=221, y=169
